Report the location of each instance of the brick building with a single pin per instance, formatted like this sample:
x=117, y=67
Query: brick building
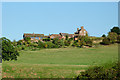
x=52, y=36
x=63, y=35
x=80, y=32
x=35, y=37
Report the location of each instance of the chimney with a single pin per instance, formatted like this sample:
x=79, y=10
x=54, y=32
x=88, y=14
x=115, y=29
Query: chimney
x=77, y=29
x=82, y=27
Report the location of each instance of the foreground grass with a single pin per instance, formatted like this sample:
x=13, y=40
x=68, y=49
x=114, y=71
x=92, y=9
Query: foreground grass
x=58, y=63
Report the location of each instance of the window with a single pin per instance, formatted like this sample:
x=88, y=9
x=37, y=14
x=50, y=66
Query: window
x=36, y=37
x=41, y=37
x=32, y=37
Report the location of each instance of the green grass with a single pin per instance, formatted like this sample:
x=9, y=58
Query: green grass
x=58, y=63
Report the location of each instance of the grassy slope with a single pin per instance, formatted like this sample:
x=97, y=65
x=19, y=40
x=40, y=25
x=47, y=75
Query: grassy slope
x=63, y=62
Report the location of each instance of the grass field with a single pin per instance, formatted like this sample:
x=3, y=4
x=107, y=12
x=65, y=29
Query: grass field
x=58, y=63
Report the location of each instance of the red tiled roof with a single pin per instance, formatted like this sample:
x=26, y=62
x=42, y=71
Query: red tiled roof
x=56, y=35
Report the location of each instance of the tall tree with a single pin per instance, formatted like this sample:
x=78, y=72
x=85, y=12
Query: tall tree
x=8, y=51
x=116, y=30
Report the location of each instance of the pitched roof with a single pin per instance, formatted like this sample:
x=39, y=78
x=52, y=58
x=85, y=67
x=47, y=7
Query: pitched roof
x=64, y=34
x=33, y=35
x=56, y=35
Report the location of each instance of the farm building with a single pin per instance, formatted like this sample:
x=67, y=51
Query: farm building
x=35, y=36
x=80, y=32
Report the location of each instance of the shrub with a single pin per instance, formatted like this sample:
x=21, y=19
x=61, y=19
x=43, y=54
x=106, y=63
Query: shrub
x=75, y=44
x=45, y=46
x=58, y=43
x=118, y=39
x=84, y=40
x=105, y=41
x=40, y=44
x=14, y=43
x=23, y=47
x=19, y=42
x=67, y=42
x=71, y=39
x=27, y=39
x=99, y=72
x=50, y=45
x=112, y=36
x=46, y=39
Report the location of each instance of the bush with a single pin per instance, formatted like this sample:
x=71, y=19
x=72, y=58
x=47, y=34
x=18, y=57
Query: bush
x=46, y=39
x=50, y=45
x=40, y=44
x=112, y=36
x=23, y=47
x=27, y=39
x=35, y=44
x=67, y=42
x=100, y=72
x=71, y=39
x=19, y=42
x=84, y=40
x=118, y=39
x=105, y=41
x=75, y=44
x=58, y=43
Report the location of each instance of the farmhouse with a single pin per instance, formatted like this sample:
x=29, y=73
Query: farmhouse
x=36, y=37
x=52, y=36
x=80, y=32
x=63, y=35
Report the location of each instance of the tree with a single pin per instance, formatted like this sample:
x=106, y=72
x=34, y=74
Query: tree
x=66, y=37
x=116, y=30
x=112, y=36
x=103, y=35
x=14, y=43
x=19, y=42
x=27, y=39
x=8, y=51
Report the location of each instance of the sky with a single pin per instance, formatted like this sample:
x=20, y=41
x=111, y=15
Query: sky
x=55, y=17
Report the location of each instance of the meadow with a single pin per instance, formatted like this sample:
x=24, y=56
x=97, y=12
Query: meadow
x=58, y=62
